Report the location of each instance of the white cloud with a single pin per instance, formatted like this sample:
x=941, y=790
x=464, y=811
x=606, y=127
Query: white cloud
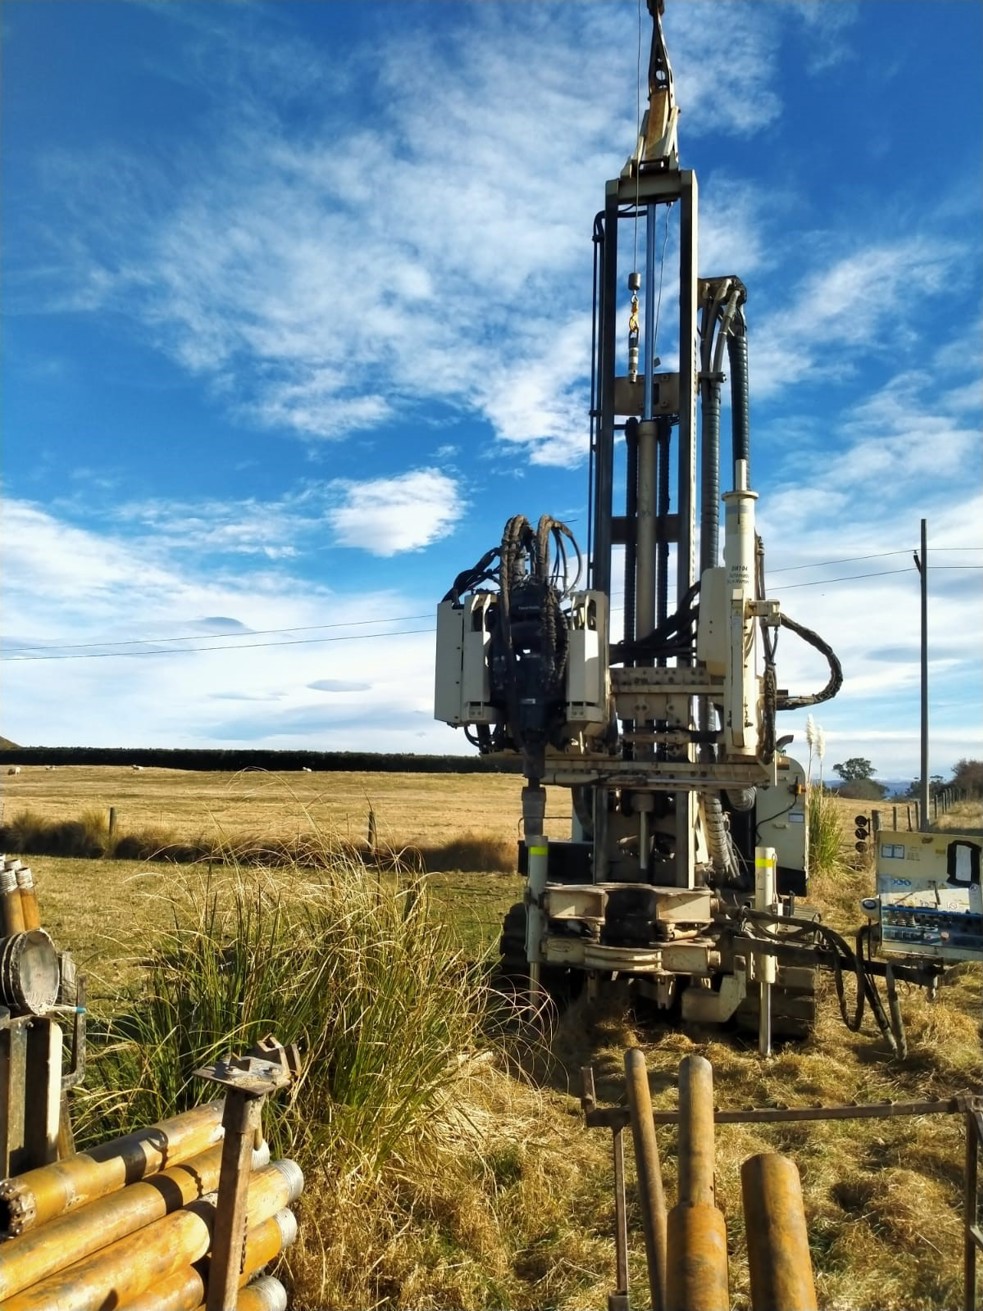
x=865, y=300
x=71, y=591
x=321, y=303
x=387, y=515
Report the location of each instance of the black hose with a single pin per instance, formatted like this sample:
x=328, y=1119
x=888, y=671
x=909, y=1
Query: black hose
x=739, y=398
x=835, y=681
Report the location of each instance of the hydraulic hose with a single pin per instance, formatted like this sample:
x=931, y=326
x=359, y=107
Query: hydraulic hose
x=718, y=838
x=835, y=669
x=739, y=398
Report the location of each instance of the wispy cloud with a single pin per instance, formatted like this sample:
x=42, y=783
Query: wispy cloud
x=174, y=638
x=387, y=515
x=319, y=302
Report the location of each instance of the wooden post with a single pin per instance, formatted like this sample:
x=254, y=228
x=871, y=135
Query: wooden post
x=373, y=834
x=112, y=820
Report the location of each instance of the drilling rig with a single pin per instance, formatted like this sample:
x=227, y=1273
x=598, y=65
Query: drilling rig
x=689, y=830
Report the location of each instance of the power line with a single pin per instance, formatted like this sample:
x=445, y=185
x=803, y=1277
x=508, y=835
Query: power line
x=881, y=573
x=879, y=555
x=193, y=650
x=197, y=637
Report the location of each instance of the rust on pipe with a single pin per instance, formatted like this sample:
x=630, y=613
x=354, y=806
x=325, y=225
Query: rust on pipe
x=116, y=1274
x=40, y=1195
x=187, y=1289
x=696, y=1153
x=28, y=898
x=649, y=1174
x=68, y=1238
x=697, y=1276
x=777, y=1241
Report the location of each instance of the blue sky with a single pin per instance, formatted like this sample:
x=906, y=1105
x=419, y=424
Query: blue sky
x=297, y=313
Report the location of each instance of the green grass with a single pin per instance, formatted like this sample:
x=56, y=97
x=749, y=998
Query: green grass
x=824, y=831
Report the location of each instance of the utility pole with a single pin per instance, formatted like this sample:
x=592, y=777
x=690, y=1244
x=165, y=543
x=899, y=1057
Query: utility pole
x=921, y=563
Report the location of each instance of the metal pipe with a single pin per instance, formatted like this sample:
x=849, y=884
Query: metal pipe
x=696, y=1153
x=68, y=1238
x=28, y=898
x=697, y=1231
x=649, y=1173
x=116, y=1274
x=39, y=1195
x=777, y=1240
x=688, y=310
x=923, y=784
x=266, y=1294
x=766, y=967
x=645, y=529
x=697, y=1276
x=618, y=1301
x=187, y=1289
x=11, y=911
x=538, y=868
x=604, y=458
x=651, y=215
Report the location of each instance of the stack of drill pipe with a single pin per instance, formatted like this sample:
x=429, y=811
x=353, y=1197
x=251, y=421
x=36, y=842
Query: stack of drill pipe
x=20, y=900
x=696, y=1239
x=68, y=1238
x=34, y=1198
x=130, y=1271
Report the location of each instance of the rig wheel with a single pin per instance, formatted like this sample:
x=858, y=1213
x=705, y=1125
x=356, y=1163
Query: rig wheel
x=562, y=984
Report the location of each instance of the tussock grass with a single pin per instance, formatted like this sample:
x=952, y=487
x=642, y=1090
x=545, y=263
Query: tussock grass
x=824, y=831
x=88, y=837
x=434, y=1175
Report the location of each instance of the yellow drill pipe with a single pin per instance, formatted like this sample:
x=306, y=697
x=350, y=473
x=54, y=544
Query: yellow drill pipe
x=777, y=1240
x=117, y=1274
x=33, y=1198
x=187, y=1289
x=696, y=1276
x=68, y=1238
x=266, y=1294
x=11, y=910
x=28, y=898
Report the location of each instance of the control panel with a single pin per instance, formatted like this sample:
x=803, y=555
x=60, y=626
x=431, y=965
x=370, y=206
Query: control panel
x=929, y=894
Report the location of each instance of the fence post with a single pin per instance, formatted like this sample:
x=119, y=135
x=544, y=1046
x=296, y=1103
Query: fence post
x=373, y=832
x=112, y=820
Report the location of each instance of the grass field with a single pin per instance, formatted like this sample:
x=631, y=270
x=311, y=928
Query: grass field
x=518, y=1211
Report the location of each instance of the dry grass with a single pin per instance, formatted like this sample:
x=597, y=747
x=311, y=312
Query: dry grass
x=519, y=1212
x=417, y=810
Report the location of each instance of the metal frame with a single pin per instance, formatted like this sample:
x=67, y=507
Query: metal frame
x=617, y=1118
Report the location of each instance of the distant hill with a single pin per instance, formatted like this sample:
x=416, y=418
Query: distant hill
x=7, y=745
